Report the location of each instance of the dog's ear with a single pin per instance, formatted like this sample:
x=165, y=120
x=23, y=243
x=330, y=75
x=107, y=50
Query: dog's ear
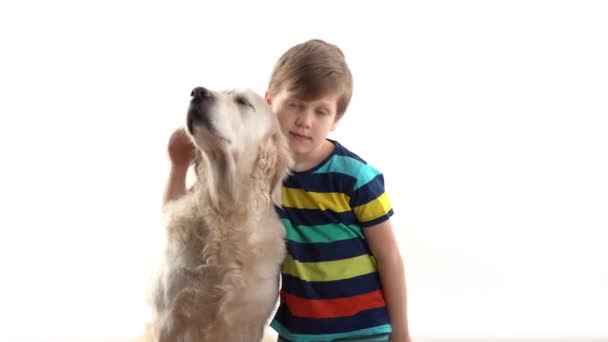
x=283, y=163
x=273, y=163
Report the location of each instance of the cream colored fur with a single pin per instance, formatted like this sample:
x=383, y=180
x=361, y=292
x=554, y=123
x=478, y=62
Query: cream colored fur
x=220, y=273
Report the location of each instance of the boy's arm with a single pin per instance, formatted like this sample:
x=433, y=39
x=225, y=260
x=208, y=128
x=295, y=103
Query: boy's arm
x=176, y=184
x=181, y=152
x=384, y=246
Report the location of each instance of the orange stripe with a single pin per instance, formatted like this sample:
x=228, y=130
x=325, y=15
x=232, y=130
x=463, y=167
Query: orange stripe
x=330, y=308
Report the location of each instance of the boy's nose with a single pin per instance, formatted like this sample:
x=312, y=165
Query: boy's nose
x=303, y=120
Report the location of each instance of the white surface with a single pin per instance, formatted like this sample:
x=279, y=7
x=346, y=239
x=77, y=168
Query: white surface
x=488, y=119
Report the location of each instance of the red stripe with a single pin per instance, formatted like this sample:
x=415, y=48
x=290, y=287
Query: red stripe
x=330, y=308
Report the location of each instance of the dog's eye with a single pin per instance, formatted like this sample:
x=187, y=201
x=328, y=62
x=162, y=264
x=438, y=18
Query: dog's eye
x=242, y=101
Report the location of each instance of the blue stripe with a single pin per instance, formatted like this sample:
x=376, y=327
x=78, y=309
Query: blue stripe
x=367, y=174
x=331, y=289
x=353, y=168
x=318, y=252
x=370, y=191
x=322, y=182
x=343, y=151
x=342, y=164
x=377, y=220
x=373, y=318
x=280, y=212
x=315, y=217
x=361, y=336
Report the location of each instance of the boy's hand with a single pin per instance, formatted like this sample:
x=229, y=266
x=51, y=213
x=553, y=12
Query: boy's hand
x=181, y=154
x=181, y=149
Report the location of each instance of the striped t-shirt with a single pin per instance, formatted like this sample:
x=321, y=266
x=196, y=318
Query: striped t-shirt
x=330, y=283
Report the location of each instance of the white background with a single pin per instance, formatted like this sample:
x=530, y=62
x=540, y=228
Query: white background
x=488, y=119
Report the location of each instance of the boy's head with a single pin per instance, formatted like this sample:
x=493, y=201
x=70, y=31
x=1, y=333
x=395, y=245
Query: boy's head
x=311, y=70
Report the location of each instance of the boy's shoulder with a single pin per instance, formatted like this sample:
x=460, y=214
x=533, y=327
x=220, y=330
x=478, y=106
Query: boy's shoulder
x=341, y=150
x=349, y=162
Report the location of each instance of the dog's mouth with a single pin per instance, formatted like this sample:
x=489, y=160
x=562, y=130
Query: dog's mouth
x=199, y=117
x=200, y=107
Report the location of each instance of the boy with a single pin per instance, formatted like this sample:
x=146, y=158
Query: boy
x=343, y=278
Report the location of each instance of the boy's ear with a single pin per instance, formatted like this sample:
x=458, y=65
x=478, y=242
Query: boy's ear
x=267, y=98
x=333, y=126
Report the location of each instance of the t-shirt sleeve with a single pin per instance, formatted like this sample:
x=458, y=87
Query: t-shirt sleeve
x=369, y=200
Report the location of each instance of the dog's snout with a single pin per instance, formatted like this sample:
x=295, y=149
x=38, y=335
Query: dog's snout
x=200, y=105
x=200, y=94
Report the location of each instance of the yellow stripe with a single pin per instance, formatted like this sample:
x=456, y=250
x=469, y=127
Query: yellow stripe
x=330, y=270
x=300, y=199
x=374, y=209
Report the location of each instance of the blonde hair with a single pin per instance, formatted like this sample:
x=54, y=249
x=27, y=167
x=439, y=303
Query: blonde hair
x=312, y=70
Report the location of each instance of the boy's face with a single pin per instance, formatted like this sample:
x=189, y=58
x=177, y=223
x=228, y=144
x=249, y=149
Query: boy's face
x=305, y=123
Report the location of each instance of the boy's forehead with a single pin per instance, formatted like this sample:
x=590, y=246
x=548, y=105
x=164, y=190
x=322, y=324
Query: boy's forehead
x=331, y=97
x=309, y=91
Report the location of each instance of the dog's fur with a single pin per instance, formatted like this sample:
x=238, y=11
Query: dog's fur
x=220, y=276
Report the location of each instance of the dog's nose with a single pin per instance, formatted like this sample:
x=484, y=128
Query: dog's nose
x=200, y=105
x=200, y=93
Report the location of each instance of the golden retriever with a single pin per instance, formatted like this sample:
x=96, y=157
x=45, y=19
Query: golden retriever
x=220, y=273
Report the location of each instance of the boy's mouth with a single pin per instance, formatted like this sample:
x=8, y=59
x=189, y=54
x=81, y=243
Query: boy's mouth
x=299, y=136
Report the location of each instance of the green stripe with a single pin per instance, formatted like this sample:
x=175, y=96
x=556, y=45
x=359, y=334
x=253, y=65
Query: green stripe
x=372, y=338
x=352, y=167
x=283, y=332
x=321, y=233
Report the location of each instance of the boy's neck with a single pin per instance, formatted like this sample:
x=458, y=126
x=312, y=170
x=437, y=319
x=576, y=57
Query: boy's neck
x=311, y=160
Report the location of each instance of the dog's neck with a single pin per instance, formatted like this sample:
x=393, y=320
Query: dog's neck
x=230, y=191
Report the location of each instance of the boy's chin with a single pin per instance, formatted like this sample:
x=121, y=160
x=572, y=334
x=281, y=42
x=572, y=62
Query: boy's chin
x=300, y=147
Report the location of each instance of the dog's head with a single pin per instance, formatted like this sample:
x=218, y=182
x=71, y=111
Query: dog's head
x=236, y=133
